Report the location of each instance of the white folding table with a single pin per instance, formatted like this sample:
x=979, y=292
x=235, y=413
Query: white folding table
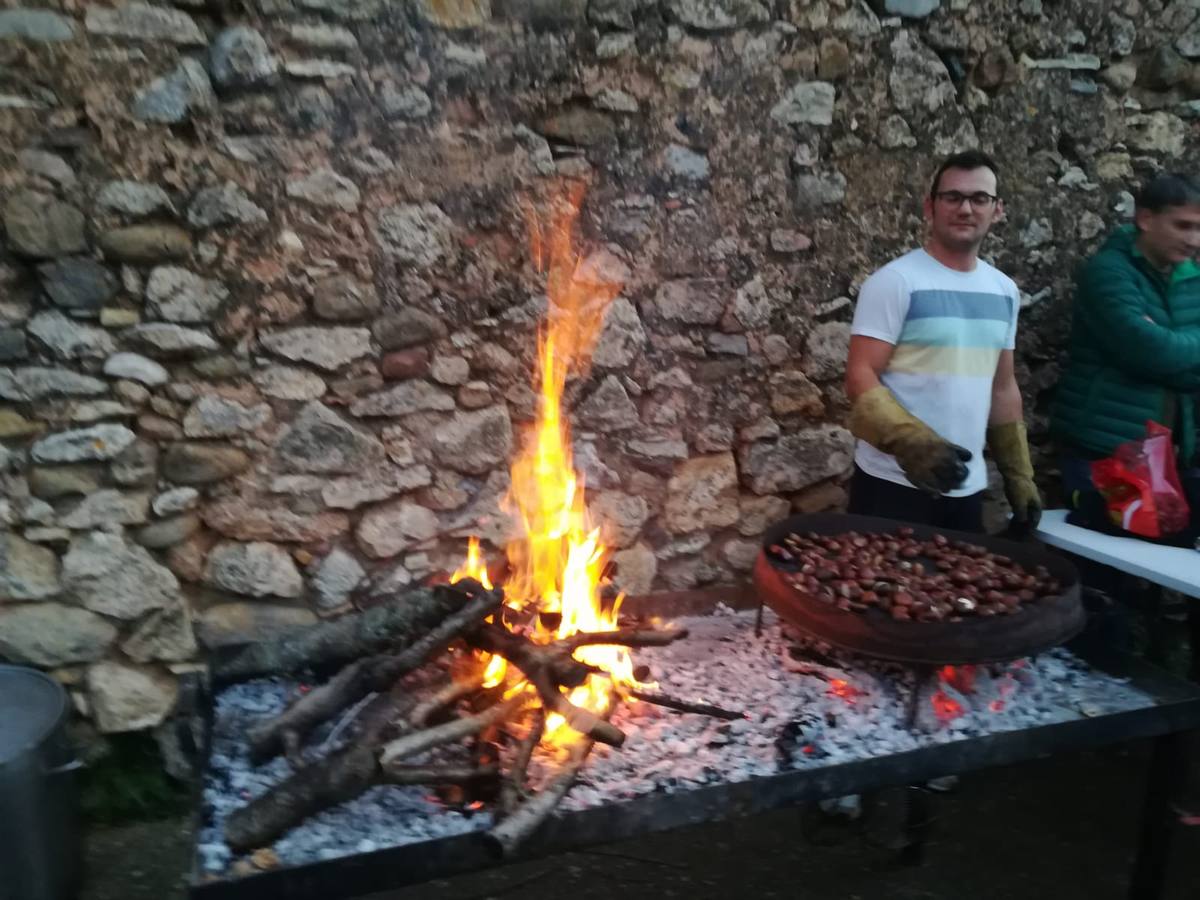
x=1177, y=568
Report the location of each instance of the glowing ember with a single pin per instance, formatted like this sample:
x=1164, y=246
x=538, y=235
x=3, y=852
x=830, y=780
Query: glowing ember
x=556, y=564
x=945, y=707
x=844, y=689
x=961, y=678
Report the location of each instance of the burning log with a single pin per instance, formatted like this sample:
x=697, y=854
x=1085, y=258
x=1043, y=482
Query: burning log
x=354, y=682
x=441, y=700
x=394, y=625
x=513, y=788
x=506, y=837
x=374, y=759
x=552, y=666
x=454, y=730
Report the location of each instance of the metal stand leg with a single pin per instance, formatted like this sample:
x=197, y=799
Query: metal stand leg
x=1194, y=636
x=922, y=675
x=917, y=820
x=1167, y=765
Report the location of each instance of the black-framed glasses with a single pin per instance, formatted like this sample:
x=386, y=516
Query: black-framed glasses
x=979, y=199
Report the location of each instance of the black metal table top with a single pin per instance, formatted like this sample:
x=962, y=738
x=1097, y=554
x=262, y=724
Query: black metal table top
x=1177, y=709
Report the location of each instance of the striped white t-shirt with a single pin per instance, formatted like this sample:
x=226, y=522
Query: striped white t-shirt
x=948, y=328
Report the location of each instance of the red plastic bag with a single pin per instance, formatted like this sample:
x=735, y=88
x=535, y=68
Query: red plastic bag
x=1140, y=485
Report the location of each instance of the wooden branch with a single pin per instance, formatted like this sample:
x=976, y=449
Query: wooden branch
x=446, y=697
x=347, y=719
x=508, y=836
x=549, y=667
x=397, y=624
x=334, y=779
x=399, y=774
x=454, y=730
x=374, y=673
x=512, y=790
x=582, y=720
x=703, y=709
x=624, y=638
x=286, y=731
x=523, y=653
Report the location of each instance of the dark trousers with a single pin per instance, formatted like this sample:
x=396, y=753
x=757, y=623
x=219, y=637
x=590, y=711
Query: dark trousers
x=871, y=496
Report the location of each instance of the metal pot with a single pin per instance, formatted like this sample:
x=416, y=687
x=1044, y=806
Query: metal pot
x=39, y=829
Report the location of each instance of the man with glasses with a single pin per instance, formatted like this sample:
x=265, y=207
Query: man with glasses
x=930, y=370
x=930, y=374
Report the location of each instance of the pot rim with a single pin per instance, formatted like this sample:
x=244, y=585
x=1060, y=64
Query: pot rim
x=26, y=744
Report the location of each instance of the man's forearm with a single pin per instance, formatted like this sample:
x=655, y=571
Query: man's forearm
x=1006, y=405
x=859, y=380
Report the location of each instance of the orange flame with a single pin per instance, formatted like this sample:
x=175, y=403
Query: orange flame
x=556, y=563
x=473, y=567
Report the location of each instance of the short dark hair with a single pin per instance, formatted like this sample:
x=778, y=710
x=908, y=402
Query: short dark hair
x=1168, y=189
x=968, y=159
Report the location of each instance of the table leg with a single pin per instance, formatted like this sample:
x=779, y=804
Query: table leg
x=1156, y=626
x=1167, y=763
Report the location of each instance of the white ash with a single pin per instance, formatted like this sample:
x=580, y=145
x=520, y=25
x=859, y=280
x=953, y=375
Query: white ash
x=383, y=816
x=795, y=720
x=722, y=662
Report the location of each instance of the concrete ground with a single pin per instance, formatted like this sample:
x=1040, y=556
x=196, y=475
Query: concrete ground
x=1062, y=828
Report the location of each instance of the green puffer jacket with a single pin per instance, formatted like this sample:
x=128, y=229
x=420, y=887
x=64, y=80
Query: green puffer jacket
x=1134, y=352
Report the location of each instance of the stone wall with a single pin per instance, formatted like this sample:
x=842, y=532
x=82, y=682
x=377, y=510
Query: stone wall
x=268, y=312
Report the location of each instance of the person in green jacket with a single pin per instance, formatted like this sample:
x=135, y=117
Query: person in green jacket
x=1134, y=352
x=1134, y=355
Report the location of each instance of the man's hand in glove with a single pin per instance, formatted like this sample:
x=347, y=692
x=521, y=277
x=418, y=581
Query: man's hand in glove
x=930, y=462
x=1010, y=449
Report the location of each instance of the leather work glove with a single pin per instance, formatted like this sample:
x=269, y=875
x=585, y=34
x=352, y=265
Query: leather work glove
x=929, y=461
x=1010, y=449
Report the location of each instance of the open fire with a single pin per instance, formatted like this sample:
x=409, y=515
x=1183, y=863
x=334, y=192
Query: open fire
x=546, y=664
x=556, y=564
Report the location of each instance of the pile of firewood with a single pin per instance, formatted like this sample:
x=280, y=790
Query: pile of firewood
x=376, y=657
